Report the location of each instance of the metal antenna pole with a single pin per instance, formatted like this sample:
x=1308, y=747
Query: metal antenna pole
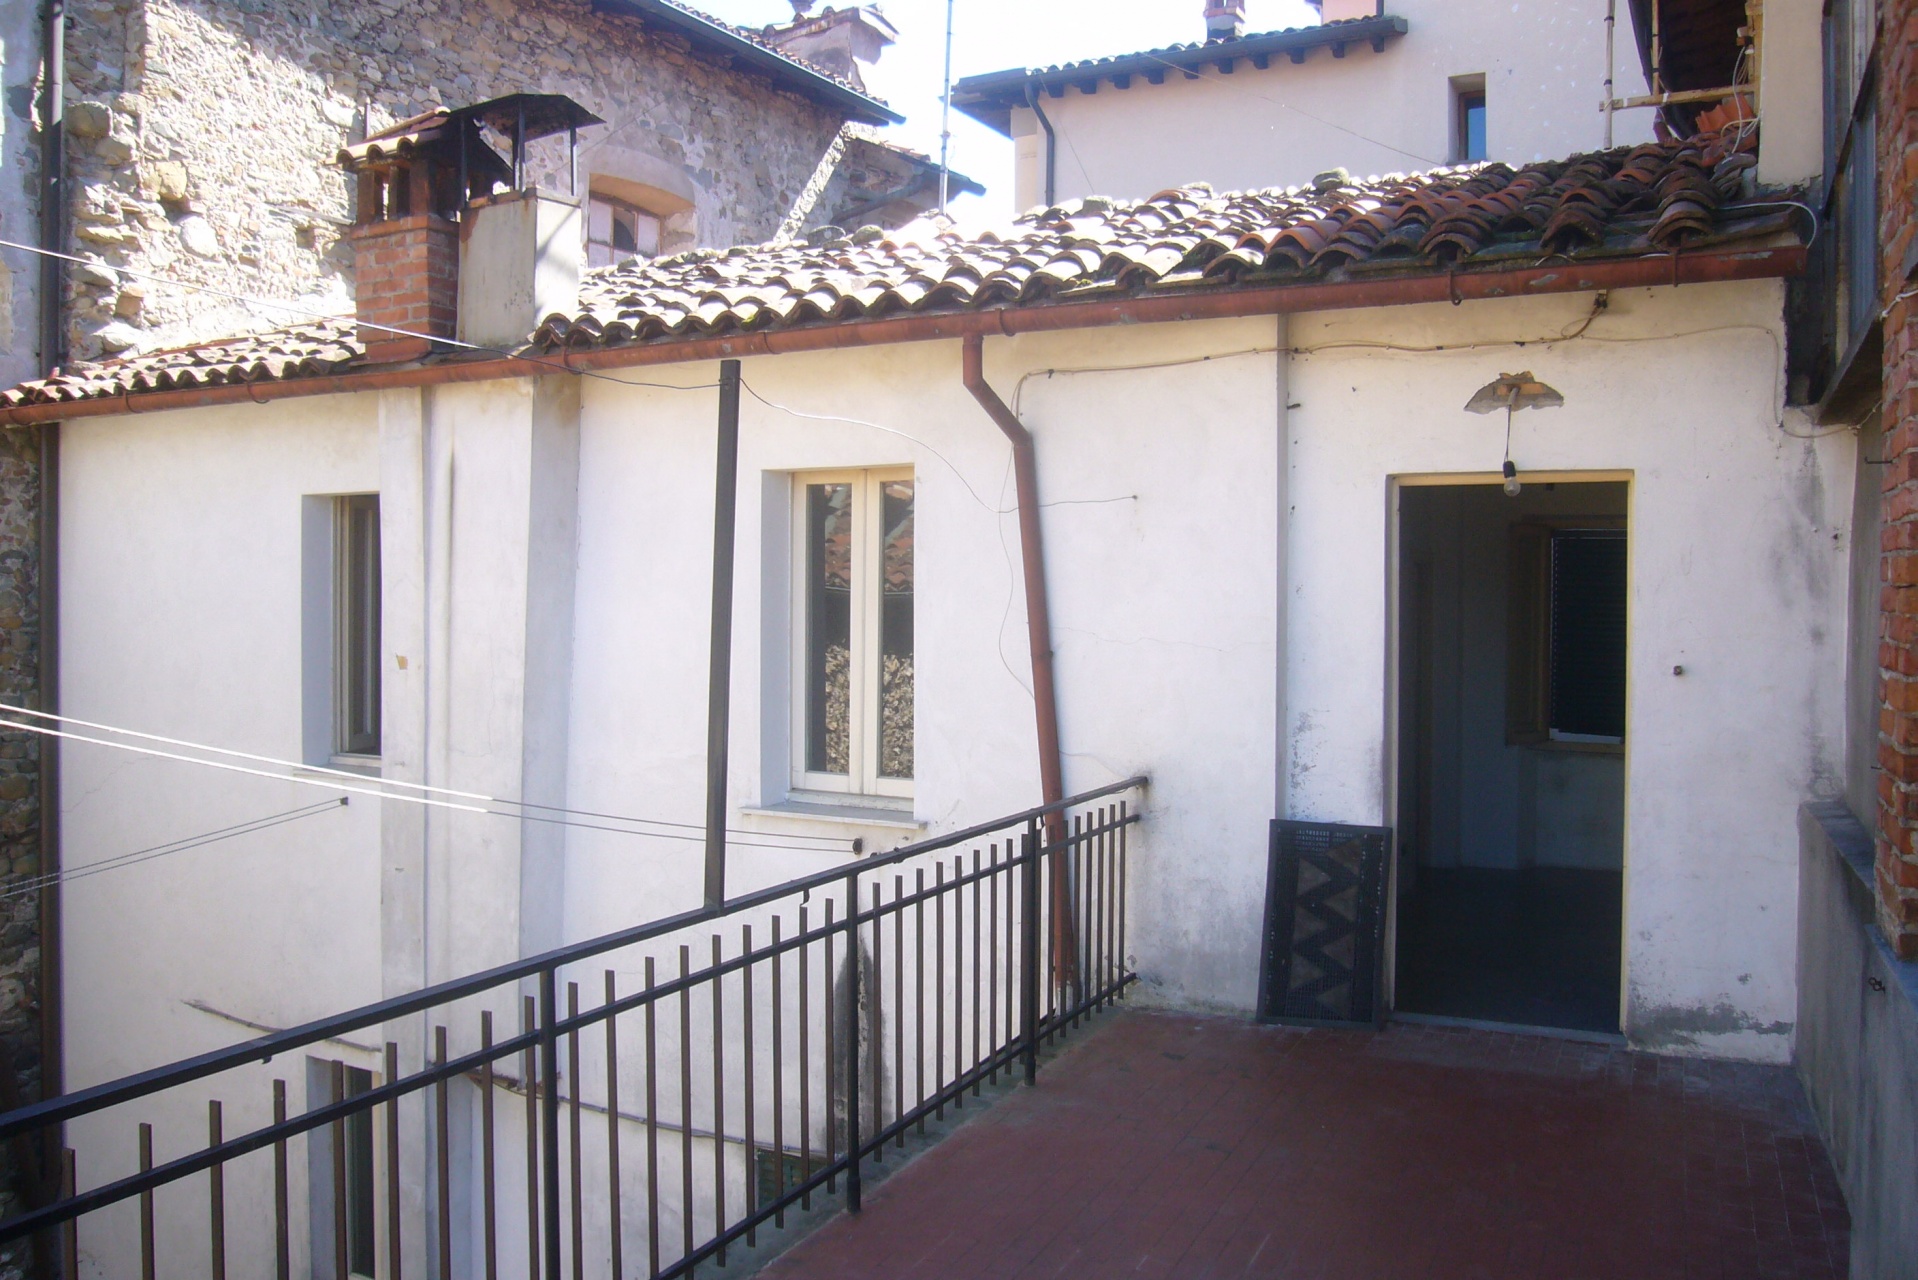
x=945, y=122
x=1611, y=30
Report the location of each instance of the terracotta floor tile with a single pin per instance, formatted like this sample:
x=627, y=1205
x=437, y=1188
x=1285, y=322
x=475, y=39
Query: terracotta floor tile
x=1173, y=1146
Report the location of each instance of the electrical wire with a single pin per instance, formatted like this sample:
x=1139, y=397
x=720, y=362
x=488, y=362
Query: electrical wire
x=21, y=887
x=308, y=313
x=351, y=776
x=429, y=802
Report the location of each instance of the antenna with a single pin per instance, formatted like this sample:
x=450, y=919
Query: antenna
x=945, y=122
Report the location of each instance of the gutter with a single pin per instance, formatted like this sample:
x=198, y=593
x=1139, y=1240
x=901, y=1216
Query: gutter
x=1221, y=303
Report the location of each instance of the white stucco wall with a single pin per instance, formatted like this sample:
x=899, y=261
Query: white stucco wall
x=1163, y=669
x=1369, y=113
x=181, y=613
x=1738, y=544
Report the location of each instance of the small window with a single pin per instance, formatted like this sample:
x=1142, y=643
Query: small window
x=1566, y=654
x=616, y=231
x=854, y=641
x=359, y=1178
x=356, y=637
x=1468, y=119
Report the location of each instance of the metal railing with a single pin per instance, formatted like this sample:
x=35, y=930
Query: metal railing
x=767, y=1051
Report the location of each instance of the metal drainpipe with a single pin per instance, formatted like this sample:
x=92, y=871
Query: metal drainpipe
x=1045, y=696
x=53, y=237
x=1052, y=145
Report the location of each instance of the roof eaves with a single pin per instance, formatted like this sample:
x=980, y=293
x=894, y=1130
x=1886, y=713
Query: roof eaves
x=715, y=36
x=989, y=98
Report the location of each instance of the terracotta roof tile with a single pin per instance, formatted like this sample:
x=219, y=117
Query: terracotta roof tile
x=1627, y=202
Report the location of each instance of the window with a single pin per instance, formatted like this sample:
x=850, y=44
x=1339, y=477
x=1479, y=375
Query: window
x=616, y=231
x=1468, y=119
x=1565, y=673
x=359, y=1178
x=356, y=635
x=853, y=716
x=349, y=1184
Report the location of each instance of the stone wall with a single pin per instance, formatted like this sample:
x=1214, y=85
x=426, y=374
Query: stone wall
x=1897, y=862
x=203, y=134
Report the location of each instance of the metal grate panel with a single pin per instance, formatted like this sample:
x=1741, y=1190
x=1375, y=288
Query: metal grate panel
x=1324, y=924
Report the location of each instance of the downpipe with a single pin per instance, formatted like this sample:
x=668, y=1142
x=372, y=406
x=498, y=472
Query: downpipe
x=1045, y=696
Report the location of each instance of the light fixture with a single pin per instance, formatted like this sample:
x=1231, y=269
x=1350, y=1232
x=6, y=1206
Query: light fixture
x=1509, y=392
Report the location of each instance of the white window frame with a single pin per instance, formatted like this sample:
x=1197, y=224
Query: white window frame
x=861, y=781
x=345, y=637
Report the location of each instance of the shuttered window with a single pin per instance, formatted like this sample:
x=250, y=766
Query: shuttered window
x=1565, y=657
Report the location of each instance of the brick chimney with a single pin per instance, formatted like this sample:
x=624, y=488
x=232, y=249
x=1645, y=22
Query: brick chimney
x=437, y=254
x=405, y=240
x=1224, y=19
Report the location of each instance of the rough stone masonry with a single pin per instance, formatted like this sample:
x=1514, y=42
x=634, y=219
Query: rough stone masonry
x=202, y=135
x=1898, y=647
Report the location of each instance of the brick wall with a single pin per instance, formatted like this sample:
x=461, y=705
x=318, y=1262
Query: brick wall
x=1897, y=863
x=407, y=277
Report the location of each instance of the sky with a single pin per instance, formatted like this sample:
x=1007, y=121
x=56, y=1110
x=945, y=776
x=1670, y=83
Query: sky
x=994, y=35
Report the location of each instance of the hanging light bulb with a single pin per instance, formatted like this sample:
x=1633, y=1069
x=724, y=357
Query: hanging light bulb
x=1509, y=392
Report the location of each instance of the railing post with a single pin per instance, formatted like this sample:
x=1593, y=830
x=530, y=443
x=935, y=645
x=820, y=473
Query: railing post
x=1029, y=955
x=852, y=1041
x=549, y=1105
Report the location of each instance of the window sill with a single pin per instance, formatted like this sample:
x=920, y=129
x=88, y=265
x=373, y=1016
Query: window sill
x=361, y=764
x=851, y=814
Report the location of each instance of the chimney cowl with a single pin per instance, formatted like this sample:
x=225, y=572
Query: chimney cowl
x=1224, y=19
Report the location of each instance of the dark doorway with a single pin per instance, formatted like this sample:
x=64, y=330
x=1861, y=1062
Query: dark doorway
x=1509, y=879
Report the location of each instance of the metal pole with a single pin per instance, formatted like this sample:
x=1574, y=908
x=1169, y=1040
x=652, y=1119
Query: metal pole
x=852, y=1041
x=945, y=121
x=1611, y=31
x=1029, y=956
x=549, y=1105
x=720, y=669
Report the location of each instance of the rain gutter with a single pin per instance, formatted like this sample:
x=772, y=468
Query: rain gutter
x=1218, y=304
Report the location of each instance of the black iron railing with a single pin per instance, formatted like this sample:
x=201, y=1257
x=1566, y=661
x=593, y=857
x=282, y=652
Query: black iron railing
x=755, y=1058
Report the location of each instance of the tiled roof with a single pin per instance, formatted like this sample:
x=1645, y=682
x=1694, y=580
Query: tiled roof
x=989, y=96
x=1649, y=199
x=1625, y=203
x=309, y=349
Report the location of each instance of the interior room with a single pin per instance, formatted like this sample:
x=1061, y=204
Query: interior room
x=1509, y=873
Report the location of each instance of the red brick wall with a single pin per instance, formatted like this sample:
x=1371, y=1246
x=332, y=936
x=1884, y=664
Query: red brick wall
x=1898, y=647
x=405, y=276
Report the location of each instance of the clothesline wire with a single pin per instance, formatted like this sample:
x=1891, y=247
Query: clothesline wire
x=429, y=802
x=351, y=776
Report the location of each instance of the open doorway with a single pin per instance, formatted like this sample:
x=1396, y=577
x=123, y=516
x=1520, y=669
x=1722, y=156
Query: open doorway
x=1510, y=875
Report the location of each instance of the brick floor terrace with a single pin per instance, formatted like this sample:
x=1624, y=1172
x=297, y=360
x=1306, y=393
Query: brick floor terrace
x=1189, y=1147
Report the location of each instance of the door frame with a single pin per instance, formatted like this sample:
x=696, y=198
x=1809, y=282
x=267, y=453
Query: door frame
x=1394, y=713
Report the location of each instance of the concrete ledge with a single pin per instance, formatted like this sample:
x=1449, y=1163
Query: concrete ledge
x=1857, y=1046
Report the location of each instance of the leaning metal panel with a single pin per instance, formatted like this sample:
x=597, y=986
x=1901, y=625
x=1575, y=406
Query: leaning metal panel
x=1324, y=924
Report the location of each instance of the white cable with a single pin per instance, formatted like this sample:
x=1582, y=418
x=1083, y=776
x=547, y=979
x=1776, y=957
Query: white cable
x=350, y=776
x=424, y=801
